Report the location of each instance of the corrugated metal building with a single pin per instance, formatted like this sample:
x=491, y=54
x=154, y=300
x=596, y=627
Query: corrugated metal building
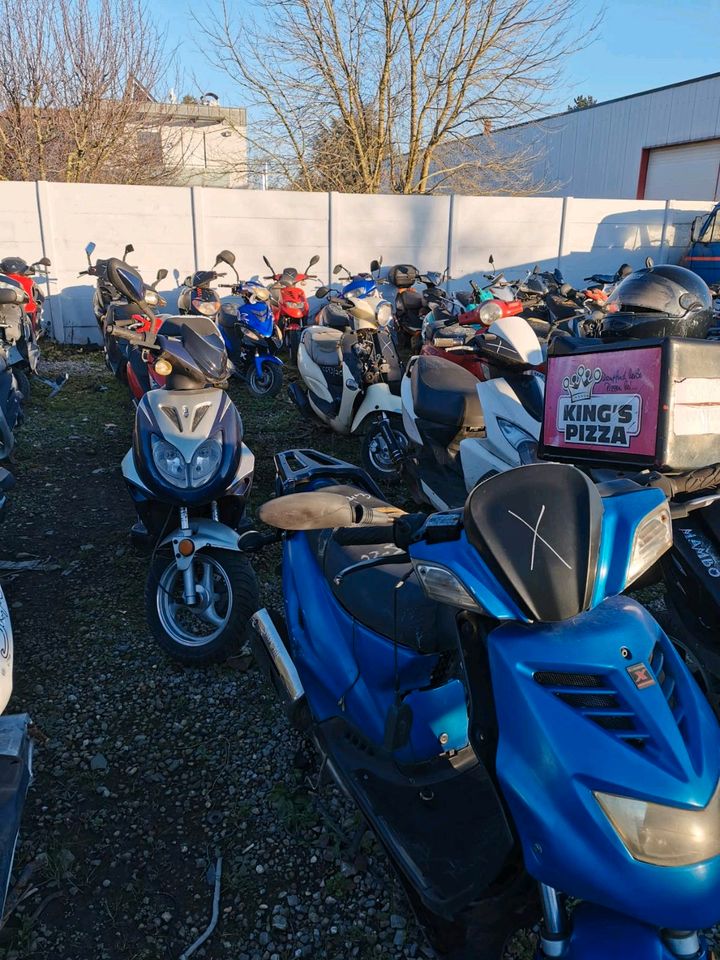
x=658, y=145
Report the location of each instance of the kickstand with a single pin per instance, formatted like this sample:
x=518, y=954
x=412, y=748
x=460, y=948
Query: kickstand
x=315, y=786
x=55, y=385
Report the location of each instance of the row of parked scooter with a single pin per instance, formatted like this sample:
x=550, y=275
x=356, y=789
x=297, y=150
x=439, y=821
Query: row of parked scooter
x=475, y=678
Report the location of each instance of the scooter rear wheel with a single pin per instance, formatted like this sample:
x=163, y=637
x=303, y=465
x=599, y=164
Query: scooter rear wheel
x=212, y=630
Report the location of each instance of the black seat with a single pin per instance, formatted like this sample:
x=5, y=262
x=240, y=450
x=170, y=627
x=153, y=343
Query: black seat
x=538, y=529
x=444, y=392
x=371, y=596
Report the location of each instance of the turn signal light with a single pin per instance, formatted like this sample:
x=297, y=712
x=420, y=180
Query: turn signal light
x=163, y=367
x=186, y=548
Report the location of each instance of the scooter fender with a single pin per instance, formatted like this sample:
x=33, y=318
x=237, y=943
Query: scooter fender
x=377, y=399
x=598, y=933
x=203, y=533
x=261, y=359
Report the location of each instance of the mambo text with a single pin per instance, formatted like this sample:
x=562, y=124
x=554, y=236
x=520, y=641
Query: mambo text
x=600, y=420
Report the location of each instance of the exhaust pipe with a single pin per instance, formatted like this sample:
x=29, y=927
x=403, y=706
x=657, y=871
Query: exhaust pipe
x=272, y=644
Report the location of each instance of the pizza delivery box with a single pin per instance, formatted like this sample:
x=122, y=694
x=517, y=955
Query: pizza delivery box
x=642, y=403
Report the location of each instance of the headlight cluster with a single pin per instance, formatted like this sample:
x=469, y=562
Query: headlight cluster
x=664, y=836
x=176, y=470
x=152, y=297
x=383, y=313
x=490, y=312
x=524, y=443
x=653, y=538
x=208, y=308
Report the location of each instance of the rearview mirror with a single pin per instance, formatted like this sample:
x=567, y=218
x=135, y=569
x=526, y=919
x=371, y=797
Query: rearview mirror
x=491, y=260
x=336, y=269
x=161, y=274
x=226, y=256
x=129, y=248
x=696, y=229
x=322, y=292
x=90, y=249
x=45, y=262
x=314, y=259
x=374, y=266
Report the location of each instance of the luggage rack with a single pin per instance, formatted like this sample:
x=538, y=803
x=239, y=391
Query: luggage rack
x=300, y=466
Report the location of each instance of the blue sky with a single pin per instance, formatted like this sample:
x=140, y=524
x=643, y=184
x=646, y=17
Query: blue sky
x=642, y=44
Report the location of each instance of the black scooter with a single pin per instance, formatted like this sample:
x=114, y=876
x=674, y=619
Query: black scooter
x=111, y=306
x=198, y=297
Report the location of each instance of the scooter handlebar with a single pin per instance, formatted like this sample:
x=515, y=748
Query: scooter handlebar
x=697, y=481
x=358, y=536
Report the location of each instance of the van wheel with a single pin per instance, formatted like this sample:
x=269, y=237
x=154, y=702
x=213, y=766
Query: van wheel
x=212, y=629
x=377, y=455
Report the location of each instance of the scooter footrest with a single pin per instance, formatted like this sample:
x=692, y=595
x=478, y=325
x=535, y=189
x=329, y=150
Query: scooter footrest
x=441, y=822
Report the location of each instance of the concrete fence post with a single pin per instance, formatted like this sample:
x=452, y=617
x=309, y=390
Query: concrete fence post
x=197, y=213
x=561, y=238
x=663, y=252
x=54, y=304
x=451, y=237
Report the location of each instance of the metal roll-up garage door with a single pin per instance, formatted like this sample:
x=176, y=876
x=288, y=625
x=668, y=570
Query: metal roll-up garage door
x=687, y=172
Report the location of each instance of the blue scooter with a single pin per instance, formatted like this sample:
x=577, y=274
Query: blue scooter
x=500, y=713
x=252, y=338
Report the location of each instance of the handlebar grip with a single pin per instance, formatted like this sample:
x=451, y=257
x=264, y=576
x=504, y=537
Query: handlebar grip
x=704, y=479
x=359, y=536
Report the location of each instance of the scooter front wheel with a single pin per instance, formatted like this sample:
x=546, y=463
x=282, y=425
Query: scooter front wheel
x=268, y=383
x=378, y=456
x=211, y=629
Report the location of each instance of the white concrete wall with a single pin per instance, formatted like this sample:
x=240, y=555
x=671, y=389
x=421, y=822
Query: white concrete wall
x=182, y=229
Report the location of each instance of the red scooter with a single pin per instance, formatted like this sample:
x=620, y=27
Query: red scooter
x=289, y=302
x=452, y=338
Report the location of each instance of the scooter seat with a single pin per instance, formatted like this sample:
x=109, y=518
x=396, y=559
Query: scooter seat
x=371, y=596
x=335, y=317
x=323, y=345
x=444, y=392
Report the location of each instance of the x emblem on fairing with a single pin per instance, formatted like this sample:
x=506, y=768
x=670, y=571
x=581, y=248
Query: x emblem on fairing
x=536, y=536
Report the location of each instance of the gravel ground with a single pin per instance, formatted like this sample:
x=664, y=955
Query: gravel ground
x=146, y=772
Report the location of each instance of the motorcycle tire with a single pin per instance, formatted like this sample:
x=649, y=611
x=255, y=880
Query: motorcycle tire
x=175, y=625
x=268, y=384
x=375, y=454
x=691, y=653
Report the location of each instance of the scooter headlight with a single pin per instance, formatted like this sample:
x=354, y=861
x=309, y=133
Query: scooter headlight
x=383, y=313
x=152, y=298
x=442, y=585
x=208, y=308
x=524, y=443
x=490, y=312
x=652, y=538
x=170, y=462
x=206, y=461
x=664, y=836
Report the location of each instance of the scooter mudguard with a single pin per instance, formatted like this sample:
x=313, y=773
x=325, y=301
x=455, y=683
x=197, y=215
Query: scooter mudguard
x=377, y=399
x=603, y=703
x=15, y=777
x=599, y=934
x=203, y=533
x=261, y=359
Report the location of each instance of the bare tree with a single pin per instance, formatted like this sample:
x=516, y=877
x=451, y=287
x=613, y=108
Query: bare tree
x=76, y=82
x=390, y=89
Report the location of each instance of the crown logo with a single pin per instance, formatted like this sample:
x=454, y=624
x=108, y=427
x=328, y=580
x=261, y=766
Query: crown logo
x=580, y=384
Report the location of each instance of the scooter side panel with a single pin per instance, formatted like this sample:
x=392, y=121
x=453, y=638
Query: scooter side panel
x=600, y=934
x=349, y=671
x=656, y=741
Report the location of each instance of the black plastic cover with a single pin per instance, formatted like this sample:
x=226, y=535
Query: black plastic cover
x=538, y=529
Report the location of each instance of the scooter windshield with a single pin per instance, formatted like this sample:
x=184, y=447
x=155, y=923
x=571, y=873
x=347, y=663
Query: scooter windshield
x=257, y=317
x=360, y=287
x=207, y=350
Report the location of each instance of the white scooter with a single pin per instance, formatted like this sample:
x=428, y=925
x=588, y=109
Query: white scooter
x=351, y=375
x=463, y=430
x=15, y=745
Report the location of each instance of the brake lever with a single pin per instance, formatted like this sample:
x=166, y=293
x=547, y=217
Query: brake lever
x=400, y=557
